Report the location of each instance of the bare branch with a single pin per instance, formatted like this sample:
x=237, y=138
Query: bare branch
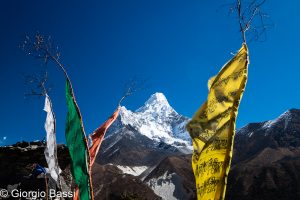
x=131, y=87
x=250, y=17
x=37, y=84
x=41, y=47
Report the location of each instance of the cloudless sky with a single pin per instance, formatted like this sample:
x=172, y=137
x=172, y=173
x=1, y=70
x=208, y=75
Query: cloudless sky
x=176, y=45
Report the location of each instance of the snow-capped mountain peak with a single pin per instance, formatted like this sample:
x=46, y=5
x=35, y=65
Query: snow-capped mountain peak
x=286, y=123
x=157, y=97
x=157, y=104
x=158, y=121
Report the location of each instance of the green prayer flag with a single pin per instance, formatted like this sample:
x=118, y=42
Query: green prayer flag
x=77, y=144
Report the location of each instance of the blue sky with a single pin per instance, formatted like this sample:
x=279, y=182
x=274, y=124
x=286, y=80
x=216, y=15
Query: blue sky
x=175, y=45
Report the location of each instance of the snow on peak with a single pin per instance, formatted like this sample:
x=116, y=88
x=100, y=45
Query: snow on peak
x=283, y=121
x=158, y=97
x=158, y=121
x=285, y=117
x=158, y=104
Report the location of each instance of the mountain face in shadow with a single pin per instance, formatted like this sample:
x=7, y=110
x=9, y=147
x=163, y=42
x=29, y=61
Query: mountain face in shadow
x=146, y=154
x=266, y=161
x=152, y=145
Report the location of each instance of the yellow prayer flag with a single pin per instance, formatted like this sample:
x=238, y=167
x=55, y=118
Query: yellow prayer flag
x=213, y=127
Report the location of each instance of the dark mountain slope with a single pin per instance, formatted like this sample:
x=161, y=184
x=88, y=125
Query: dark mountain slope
x=266, y=161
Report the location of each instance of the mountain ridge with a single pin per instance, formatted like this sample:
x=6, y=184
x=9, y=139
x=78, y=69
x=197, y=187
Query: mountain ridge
x=156, y=120
x=134, y=165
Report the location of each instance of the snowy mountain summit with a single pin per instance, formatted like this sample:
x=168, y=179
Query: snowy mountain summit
x=156, y=120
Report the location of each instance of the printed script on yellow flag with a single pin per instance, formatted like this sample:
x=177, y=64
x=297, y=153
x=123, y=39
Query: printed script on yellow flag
x=213, y=126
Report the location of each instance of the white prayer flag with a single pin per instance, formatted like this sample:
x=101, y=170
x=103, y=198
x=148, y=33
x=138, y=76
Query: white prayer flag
x=51, y=146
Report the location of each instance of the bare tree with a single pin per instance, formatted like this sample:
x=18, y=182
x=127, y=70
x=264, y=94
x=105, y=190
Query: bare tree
x=252, y=20
x=42, y=47
x=132, y=86
x=37, y=84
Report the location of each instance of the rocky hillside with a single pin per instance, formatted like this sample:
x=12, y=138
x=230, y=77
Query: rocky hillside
x=109, y=181
x=266, y=161
x=146, y=155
